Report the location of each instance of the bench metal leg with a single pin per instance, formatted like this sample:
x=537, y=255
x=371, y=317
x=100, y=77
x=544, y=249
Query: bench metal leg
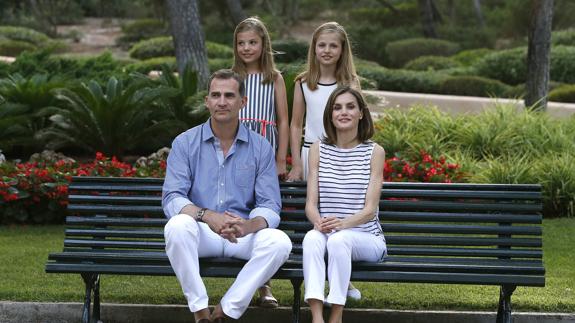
x=504, y=310
x=90, y=280
x=296, y=283
x=96, y=309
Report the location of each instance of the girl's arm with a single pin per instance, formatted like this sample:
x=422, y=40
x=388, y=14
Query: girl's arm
x=372, y=194
x=282, y=124
x=311, y=202
x=298, y=111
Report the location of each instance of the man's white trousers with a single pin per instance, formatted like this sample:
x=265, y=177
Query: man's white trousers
x=187, y=240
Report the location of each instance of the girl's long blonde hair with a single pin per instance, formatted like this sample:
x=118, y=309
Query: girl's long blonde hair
x=345, y=70
x=267, y=64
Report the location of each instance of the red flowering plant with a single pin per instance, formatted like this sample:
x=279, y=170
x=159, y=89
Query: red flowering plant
x=422, y=168
x=37, y=192
x=105, y=166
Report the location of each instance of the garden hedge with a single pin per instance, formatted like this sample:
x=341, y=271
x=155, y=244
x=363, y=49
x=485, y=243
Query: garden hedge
x=403, y=51
x=163, y=46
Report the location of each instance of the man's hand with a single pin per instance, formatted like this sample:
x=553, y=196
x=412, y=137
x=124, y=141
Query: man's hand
x=236, y=227
x=218, y=221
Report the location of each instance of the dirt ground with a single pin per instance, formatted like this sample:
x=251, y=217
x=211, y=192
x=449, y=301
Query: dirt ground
x=94, y=36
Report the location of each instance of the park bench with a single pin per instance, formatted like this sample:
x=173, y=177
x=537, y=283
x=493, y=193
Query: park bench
x=480, y=234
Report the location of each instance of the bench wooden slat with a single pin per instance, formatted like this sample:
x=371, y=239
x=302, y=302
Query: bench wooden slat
x=118, y=199
x=465, y=252
x=137, y=244
x=114, y=188
x=458, y=194
x=114, y=221
x=404, y=216
x=448, y=278
x=116, y=209
x=458, y=206
x=461, y=229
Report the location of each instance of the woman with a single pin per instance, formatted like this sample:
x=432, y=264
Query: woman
x=344, y=184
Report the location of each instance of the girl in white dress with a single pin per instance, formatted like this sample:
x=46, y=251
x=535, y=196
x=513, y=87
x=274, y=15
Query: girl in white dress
x=329, y=64
x=343, y=188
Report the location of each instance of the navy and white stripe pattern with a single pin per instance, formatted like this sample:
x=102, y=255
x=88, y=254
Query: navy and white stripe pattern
x=259, y=114
x=343, y=181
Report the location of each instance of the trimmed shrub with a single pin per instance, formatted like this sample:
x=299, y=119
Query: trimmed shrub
x=510, y=66
x=564, y=93
x=519, y=91
x=163, y=46
x=156, y=63
x=24, y=34
x=152, y=64
x=471, y=56
x=30, y=36
x=216, y=50
x=402, y=80
x=563, y=64
x=431, y=63
x=219, y=63
x=563, y=37
x=142, y=29
x=288, y=51
x=154, y=47
x=473, y=86
x=14, y=47
x=368, y=41
x=403, y=51
x=468, y=37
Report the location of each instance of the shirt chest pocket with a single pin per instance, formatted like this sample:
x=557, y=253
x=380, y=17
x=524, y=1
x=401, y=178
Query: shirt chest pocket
x=245, y=175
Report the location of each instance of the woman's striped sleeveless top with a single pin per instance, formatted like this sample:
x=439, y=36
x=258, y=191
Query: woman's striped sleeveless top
x=259, y=114
x=343, y=180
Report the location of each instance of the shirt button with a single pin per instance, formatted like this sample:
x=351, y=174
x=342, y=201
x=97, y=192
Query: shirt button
x=221, y=201
x=222, y=184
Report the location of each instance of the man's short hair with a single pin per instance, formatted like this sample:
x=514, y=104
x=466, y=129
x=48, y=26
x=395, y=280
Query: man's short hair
x=226, y=74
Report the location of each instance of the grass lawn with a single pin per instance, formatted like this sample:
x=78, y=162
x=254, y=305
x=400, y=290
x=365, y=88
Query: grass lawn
x=24, y=251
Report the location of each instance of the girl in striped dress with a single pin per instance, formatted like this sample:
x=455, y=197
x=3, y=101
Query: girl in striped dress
x=344, y=183
x=266, y=111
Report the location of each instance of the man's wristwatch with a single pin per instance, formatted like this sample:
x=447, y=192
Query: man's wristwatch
x=200, y=214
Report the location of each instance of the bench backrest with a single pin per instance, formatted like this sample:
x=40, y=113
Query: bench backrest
x=490, y=221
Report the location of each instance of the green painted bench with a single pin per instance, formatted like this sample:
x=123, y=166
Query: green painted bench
x=478, y=234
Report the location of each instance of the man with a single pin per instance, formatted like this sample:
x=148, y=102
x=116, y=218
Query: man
x=221, y=194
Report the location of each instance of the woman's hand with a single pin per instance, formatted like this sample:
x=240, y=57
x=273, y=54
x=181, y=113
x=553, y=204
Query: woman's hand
x=281, y=168
x=330, y=224
x=295, y=174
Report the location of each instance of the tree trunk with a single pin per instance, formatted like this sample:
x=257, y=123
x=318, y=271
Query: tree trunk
x=452, y=12
x=479, y=13
x=236, y=11
x=538, y=54
x=426, y=14
x=188, y=38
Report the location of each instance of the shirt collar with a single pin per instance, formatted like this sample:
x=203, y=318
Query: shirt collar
x=208, y=134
